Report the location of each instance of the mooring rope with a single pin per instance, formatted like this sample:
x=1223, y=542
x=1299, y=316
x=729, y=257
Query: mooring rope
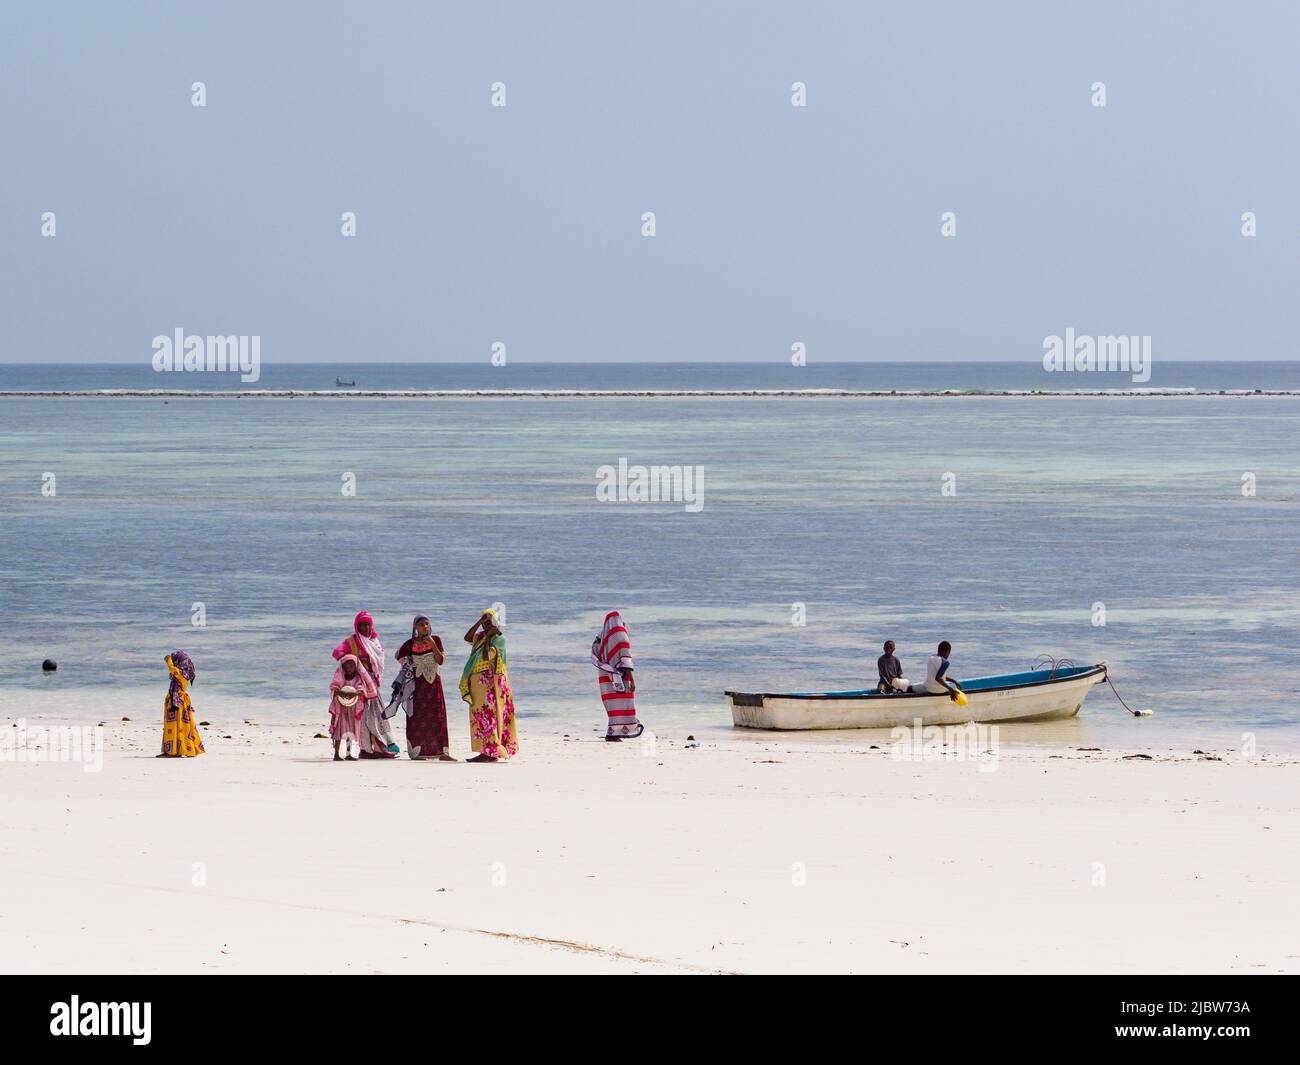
x=1135, y=713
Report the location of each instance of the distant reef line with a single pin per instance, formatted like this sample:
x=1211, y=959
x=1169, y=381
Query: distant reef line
x=564, y=393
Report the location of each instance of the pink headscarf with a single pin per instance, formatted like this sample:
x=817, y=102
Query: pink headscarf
x=370, y=644
x=360, y=679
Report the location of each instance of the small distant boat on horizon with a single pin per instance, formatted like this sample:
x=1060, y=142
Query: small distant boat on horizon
x=340, y=383
x=1035, y=695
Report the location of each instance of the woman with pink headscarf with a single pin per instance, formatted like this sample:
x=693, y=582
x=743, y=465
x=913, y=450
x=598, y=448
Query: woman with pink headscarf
x=364, y=644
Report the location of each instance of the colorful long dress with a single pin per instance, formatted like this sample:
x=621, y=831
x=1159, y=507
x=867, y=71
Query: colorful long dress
x=485, y=685
x=611, y=654
x=426, y=727
x=180, y=731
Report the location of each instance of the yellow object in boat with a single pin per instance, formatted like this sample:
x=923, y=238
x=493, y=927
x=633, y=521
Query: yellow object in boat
x=959, y=697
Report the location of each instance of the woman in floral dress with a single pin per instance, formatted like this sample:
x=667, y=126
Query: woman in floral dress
x=485, y=685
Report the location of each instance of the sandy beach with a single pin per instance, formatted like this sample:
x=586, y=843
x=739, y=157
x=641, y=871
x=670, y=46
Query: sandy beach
x=759, y=853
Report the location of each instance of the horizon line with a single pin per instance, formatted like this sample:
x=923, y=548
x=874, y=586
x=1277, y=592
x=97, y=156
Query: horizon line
x=657, y=362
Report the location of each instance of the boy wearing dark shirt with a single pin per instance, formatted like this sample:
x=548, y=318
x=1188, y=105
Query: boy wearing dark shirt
x=890, y=669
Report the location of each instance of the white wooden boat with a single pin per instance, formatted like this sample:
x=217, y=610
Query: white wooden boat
x=1036, y=695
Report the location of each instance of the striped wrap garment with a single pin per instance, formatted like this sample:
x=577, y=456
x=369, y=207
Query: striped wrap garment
x=611, y=654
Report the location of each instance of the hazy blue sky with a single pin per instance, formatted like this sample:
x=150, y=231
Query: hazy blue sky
x=522, y=224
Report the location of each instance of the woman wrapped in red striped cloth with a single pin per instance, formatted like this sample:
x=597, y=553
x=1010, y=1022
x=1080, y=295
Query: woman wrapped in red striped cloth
x=611, y=654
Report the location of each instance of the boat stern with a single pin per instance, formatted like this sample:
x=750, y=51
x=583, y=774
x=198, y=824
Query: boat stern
x=747, y=710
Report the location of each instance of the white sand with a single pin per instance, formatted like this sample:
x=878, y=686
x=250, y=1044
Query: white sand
x=615, y=860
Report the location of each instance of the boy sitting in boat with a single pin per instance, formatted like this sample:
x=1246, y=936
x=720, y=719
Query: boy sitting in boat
x=891, y=672
x=937, y=681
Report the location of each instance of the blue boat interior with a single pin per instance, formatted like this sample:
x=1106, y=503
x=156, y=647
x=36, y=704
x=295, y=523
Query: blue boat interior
x=974, y=684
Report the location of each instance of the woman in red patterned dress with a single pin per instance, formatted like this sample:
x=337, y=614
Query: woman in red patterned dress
x=426, y=725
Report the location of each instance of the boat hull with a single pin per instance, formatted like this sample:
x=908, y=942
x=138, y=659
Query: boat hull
x=1048, y=699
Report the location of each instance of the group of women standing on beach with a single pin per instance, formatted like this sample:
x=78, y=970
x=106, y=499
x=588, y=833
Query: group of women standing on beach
x=360, y=717
x=357, y=714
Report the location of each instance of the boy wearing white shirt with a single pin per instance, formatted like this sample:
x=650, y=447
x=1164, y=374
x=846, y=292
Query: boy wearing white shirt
x=937, y=681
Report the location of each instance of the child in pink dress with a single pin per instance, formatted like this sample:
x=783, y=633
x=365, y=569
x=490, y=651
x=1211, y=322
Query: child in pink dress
x=351, y=688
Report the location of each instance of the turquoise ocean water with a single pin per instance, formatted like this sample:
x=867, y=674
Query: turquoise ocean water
x=1061, y=504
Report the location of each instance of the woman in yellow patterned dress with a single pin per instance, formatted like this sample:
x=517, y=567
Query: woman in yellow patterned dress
x=180, y=730
x=485, y=685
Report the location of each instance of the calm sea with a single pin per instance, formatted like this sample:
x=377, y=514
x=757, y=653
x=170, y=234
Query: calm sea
x=1065, y=510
